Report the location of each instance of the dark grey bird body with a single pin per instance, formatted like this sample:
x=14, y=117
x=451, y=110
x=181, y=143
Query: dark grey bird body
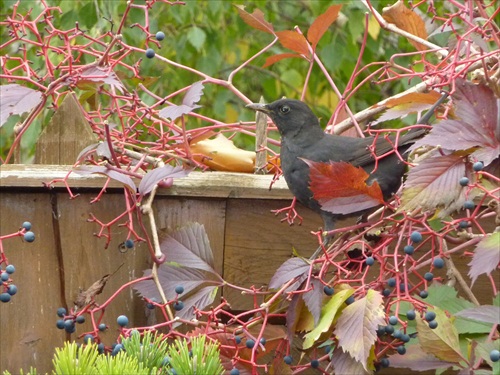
x=303, y=138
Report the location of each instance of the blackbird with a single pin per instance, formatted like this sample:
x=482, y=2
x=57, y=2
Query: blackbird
x=303, y=138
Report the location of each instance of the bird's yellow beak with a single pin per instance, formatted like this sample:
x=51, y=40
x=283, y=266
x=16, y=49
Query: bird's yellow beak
x=259, y=107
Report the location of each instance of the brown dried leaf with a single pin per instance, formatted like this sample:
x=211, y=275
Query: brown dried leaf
x=294, y=41
x=256, y=19
x=275, y=58
x=407, y=20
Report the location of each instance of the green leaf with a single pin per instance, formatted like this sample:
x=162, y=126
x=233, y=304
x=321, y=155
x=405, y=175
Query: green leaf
x=88, y=15
x=357, y=325
x=442, y=342
x=328, y=314
x=196, y=36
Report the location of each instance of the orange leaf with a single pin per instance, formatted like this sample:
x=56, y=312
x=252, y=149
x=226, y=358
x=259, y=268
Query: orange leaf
x=340, y=187
x=322, y=23
x=407, y=20
x=256, y=19
x=275, y=58
x=294, y=41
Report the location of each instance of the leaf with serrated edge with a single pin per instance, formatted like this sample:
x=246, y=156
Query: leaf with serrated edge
x=322, y=23
x=314, y=298
x=193, y=95
x=486, y=256
x=255, y=20
x=433, y=184
x=152, y=178
x=343, y=363
x=484, y=313
x=115, y=175
x=292, y=268
x=357, y=326
x=442, y=342
x=417, y=360
x=328, y=315
x=189, y=247
x=408, y=20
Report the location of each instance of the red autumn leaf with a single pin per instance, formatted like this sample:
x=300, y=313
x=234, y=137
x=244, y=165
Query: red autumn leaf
x=340, y=187
x=322, y=23
x=275, y=58
x=407, y=20
x=256, y=19
x=294, y=41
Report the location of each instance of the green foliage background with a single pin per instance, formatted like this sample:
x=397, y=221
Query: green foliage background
x=211, y=37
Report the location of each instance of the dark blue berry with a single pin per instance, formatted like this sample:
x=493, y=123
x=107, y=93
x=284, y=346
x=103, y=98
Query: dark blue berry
x=349, y=300
x=384, y=362
x=381, y=331
x=88, y=339
x=102, y=327
x=234, y=371
x=129, y=244
x=69, y=323
x=5, y=297
x=478, y=166
x=429, y=276
x=401, y=349
x=263, y=341
x=100, y=348
x=328, y=290
x=391, y=282
x=464, y=181
x=26, y=225
x=411, y=315
x=397, y=334
x=409, y=249
x=178, y=305
x=12, y=289
x=424, y=294
x=403, y=287
x=10, y=269
x=393, y=320
x=495, y=355
x=160, y=35
x=463, y=224
x=405, y=338
x=166, y=361
x=433, y=324
x=250, y=343
x=328, y=349
x=116, y=349
x=61, y=312
x=438, y=262
x=386, y=292
x=288, y=359
x=370, y=261
x=122, y=321
x=179, y=289
x=389, y=329
x=314, y=363
x=80, y=319
x=430, y=315
x=237, y=339
x=416, y=237
x=469, y=205
x=29, y=236
x=60, y=324
x=4, y=276
x=150, y=53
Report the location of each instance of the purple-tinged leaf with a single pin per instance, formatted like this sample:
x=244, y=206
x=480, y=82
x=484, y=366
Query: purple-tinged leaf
x=292, y=315
x=486, y=256
x=92, y=147
x=343, y=363
x=16, y=100
x=102, y=75
x=201, y=299
x=152, y=178
x=484, y=313
x=433, y=184
x=103, y=150
x=292, y=268
x=189, y=247
x=357, y=325
x=417, y=360
x=476, y=124
x=192, y=97
x=86, y=170
x=314, y=299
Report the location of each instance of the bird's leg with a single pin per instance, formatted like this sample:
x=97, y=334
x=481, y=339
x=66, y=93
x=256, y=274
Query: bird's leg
x=291, y=213
x=328, y=225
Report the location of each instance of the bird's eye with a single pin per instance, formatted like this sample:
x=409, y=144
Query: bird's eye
x=284, y=109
